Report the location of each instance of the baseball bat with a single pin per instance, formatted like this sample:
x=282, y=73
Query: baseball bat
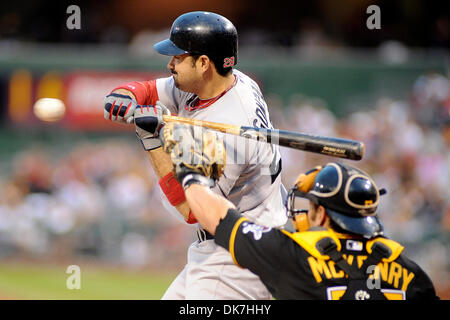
x=330, y=146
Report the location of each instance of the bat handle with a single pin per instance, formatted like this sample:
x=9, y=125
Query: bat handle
x=225, y=128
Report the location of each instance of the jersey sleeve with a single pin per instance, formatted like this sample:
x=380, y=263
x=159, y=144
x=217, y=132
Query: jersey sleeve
x=421, y=286
x=169, y=94
x=255, y=247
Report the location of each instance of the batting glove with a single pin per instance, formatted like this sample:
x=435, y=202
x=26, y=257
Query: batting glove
x=149, y=121
x=119, y=108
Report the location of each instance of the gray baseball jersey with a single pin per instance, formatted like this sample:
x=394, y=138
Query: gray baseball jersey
x=252, y=179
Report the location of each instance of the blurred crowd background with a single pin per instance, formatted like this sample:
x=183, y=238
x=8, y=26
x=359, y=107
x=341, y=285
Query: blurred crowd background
x=84, y=188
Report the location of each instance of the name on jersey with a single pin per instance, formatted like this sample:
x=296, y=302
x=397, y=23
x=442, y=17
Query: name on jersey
x=390, y=272
x=261, y=108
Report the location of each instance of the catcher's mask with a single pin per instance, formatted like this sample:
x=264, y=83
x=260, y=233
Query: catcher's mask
x=348, y=194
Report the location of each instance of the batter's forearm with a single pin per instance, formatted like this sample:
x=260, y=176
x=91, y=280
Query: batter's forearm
x=160, y=161
x=162, y=164
x=207, y=206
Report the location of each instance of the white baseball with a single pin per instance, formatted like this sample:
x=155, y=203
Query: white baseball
x=49, y=109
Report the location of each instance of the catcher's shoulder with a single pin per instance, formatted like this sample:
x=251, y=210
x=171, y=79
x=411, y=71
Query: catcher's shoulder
x=308, y=240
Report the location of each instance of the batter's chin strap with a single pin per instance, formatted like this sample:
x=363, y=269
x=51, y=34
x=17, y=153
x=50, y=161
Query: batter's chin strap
x=357, y=276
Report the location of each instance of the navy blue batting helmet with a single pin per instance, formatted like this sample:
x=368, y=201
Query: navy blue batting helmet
x=199, y=33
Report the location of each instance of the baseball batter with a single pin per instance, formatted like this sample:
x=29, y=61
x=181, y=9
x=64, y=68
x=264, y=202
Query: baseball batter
x=205, y=86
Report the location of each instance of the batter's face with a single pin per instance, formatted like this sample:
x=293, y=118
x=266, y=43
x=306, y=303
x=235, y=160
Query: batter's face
x=186, y=75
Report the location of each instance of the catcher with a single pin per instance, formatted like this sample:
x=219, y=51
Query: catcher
x=204, y=85
x=338, y=252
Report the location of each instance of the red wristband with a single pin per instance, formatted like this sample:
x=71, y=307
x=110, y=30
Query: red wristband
x=172, y=189
x=145, y=93
x=191, y=219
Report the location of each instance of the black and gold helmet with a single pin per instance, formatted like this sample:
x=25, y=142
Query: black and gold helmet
x=349, y=195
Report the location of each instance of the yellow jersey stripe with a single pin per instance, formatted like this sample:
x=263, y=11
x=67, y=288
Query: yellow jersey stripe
x=233, y=237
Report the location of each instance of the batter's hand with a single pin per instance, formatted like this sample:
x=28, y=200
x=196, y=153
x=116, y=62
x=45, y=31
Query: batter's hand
x=149, y=121
x=195, y=152
x=119, y=108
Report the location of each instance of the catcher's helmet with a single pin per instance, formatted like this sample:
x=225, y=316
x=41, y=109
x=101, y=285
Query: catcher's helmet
x=201, y=32
x=349, y=196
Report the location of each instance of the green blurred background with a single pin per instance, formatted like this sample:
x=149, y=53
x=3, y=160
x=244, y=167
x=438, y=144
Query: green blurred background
x=81, y=191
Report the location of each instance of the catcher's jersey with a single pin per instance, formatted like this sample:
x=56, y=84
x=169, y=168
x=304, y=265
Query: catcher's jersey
x=291, y=266
x=251, y=179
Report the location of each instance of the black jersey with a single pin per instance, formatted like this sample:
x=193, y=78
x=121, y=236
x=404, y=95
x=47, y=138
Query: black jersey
x=292, y=266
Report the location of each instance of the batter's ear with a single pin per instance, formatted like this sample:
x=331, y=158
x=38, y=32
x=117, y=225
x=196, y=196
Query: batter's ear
x=204, y=62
